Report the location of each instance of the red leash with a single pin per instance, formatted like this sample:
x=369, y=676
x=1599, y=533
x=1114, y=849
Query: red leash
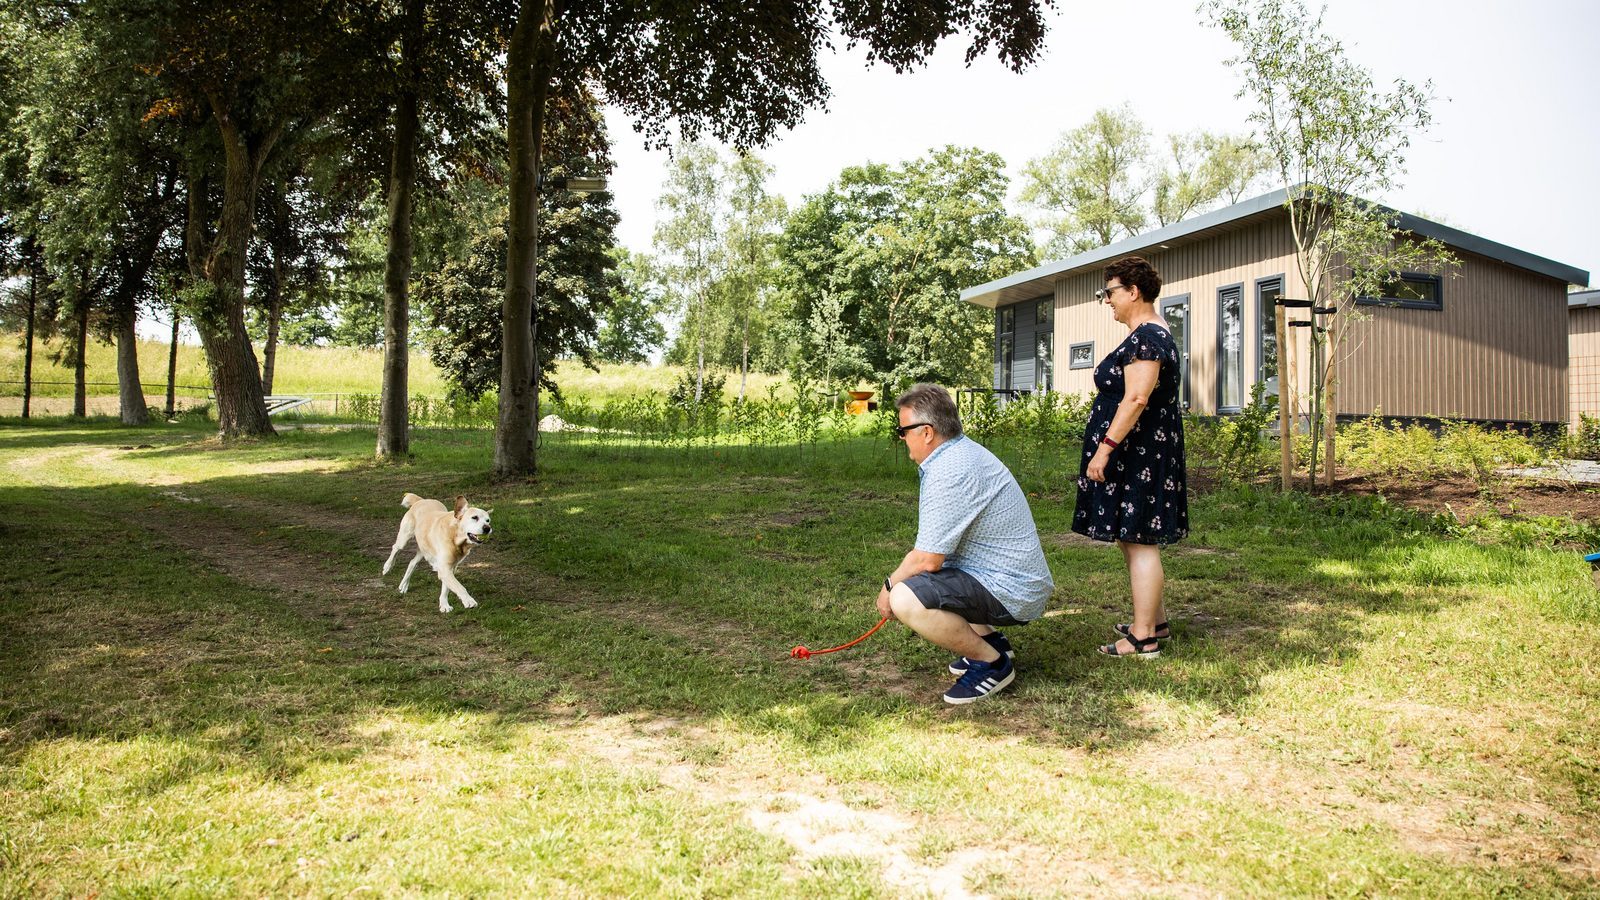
x=803, y=653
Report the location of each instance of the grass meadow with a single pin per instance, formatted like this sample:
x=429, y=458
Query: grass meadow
x=299, y=370
x=210, y=690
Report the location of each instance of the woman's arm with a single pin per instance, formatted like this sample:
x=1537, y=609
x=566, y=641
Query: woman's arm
x=1139, y=378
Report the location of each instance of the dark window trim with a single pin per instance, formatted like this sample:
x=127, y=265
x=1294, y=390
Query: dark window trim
x=1229, y=410
x=1072, y=347
x=1399, y=303
x=1050, y=315
x=1183, y=352
x=1267, y=320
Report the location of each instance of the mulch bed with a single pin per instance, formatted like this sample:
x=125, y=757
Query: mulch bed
x=1511, y=496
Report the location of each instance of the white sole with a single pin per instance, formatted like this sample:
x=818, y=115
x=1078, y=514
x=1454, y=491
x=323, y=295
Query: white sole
x=994, y=690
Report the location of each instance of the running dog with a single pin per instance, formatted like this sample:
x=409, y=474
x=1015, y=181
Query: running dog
x=444, y=538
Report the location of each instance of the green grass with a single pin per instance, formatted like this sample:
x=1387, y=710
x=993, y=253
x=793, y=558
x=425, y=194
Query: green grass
x=209, y=690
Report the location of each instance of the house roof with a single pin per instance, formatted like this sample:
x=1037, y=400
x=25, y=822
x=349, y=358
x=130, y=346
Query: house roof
x=1041, y=280
x=1583, y=299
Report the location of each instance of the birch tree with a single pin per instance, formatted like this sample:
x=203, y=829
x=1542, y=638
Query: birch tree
x=689, y=241
x=1333, y=136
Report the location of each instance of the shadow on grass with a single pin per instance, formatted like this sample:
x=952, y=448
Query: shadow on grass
x=254, y=620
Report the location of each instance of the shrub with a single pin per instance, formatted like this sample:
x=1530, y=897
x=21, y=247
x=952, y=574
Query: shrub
x=1236, y=448
x=1585, y=442
x=1413, y=454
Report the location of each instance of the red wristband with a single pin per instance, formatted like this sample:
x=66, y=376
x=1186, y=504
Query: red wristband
x=1109, y=442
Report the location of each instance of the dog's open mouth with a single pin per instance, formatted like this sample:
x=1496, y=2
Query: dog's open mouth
x=474, y=538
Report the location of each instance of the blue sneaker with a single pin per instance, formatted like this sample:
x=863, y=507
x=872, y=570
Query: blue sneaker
x=981, y=680
x=996, y=640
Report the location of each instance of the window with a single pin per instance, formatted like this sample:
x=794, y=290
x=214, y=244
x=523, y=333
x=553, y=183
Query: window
x=1176, y=311
x=1006, y=336
x=1041, y=312
x=1080, y=356
x=1043, y=365
x=1411, y=290
x=1268, y=290
x=1230, y=349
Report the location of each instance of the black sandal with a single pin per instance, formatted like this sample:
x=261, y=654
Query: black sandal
x=1163, y=630
x=1143, y=648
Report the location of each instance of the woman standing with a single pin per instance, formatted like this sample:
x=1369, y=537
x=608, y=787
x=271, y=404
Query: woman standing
x=1131, y=489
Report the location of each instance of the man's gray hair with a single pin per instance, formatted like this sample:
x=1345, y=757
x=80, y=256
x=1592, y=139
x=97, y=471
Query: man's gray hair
x=932, y=404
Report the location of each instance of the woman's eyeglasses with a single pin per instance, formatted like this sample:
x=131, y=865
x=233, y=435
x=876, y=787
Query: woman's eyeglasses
x=1105, y=294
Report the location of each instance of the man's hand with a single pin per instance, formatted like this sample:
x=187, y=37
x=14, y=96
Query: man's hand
x=883, y=603
x=1097, y=465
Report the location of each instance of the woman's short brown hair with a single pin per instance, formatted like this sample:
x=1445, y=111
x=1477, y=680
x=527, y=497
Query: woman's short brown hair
x=1135, y=271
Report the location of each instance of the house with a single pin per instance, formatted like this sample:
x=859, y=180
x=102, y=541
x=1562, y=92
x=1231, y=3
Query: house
x=1486, y=343
x=1583, y=353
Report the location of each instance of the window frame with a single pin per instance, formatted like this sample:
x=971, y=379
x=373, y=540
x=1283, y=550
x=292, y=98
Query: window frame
x=1403, y=303
x=1185, y=396
x=1006, y=344
x=1227, y=410
x=1042, y=384
x=1267, y=323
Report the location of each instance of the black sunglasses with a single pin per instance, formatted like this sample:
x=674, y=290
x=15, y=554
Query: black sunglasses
x=1106, y=293
x=900, y=430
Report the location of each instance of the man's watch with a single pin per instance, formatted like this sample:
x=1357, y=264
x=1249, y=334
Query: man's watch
x=886, y=585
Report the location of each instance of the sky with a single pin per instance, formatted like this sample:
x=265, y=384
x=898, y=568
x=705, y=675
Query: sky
x=1513, y=154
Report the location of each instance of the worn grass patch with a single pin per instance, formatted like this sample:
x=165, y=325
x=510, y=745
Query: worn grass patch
x=209, y=689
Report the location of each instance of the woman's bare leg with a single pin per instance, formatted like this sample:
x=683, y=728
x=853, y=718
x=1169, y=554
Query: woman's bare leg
x=1147, y=579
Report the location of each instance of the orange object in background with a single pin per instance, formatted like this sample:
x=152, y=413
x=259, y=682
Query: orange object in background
x=859, y=403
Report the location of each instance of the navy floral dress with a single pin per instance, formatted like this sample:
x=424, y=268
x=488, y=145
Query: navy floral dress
x=1144, y=499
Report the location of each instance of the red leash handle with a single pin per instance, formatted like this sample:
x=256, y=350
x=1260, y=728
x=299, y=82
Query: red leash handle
x=802, y=653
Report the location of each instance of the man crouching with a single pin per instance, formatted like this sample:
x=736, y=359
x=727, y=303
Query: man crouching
x=977, y=563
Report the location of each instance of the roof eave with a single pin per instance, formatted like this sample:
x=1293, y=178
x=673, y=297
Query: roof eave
x=1040, y=280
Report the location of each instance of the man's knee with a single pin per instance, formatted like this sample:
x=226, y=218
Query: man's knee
x=903, y=603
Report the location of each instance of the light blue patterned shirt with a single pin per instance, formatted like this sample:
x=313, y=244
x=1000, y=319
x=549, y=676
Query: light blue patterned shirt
x=974, y=513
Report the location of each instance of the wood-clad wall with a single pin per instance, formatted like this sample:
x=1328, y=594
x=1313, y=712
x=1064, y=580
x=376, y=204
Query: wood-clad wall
x=1497, y=350
x=1259, y=249
x=1583, y=362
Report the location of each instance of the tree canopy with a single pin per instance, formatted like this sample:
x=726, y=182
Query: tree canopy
x=888, y=250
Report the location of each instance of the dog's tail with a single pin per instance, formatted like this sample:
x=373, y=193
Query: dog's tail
x=409, y=499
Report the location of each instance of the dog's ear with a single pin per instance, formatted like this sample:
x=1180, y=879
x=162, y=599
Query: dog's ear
x=461, y=504
x=488, y=512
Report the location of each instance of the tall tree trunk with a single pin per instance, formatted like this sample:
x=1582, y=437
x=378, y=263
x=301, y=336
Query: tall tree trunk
x=125, y=306
x=80, y=398
x=393, y=412
x=700, y=358
x=744, y=357
x=172, y=366
x=279, y=230
x=529, y=67
x=129, y=390
x=27, y=353
x=269, y=353
x=235, y=376
x=700, y=351
x=1330, y=384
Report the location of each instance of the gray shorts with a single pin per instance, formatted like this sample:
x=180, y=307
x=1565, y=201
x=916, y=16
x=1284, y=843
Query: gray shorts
x=953, y=590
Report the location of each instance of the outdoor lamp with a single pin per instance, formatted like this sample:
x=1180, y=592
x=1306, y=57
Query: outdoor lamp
x=575, y=183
